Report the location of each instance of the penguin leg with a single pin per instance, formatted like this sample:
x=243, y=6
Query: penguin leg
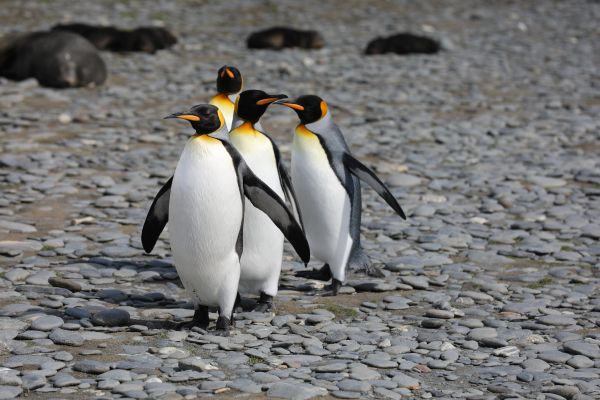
x=265, y=303
x=323, y=274
x=332, y=290
x=237, y=306
x=223, y=325
x=199, y=320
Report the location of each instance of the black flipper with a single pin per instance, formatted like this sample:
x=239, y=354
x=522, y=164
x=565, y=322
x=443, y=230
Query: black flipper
x=286, y=183
x=157, y=217
x=365, y=174
x=265, y=199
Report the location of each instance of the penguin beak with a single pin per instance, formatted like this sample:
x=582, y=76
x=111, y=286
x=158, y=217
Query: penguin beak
x=187, y=117
x=290, y=104
x=271, y=99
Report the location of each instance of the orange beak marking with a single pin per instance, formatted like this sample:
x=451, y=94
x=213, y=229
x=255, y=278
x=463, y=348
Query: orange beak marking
x=294, y=106
x=189, y=117
x=268, y=100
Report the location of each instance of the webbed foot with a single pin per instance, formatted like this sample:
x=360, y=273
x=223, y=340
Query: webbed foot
x=323, y=274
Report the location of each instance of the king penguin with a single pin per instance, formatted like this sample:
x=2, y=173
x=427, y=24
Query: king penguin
x=206, y=214
x=263, y=242
x=326, y=177
x=229, y=84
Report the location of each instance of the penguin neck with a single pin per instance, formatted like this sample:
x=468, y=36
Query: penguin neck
x=241, y=126
x=320, y=125
x=212, y=137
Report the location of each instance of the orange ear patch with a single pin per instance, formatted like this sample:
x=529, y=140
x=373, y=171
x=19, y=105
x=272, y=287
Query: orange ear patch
x=229, y=73
x=221, y=118
x=323, y=108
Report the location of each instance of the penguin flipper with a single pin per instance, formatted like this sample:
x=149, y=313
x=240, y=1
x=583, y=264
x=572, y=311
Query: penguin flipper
x=157, y=217
x=365, y=174
x=265, y=199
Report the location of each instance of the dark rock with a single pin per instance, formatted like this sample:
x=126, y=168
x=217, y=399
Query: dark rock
x=65, y=284
x=277, y=38
x=55, y=59
x=145, y=38
x=402, y=43
x=112, y=317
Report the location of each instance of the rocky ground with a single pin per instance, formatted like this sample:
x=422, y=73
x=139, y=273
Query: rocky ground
x=491, y=147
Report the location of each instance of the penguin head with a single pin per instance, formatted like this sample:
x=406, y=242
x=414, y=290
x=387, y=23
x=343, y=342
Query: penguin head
x=252, y=104
x=310, y=108
x=205, y=118
x=229, y=80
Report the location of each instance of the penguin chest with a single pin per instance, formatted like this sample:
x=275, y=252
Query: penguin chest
x=205, y=216
x=323, y=201
x=263, y=242
x=258, y=153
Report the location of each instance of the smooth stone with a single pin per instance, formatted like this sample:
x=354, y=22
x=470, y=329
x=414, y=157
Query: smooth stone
x=47, y=323
x=68, y=338
x=111, y=317
x=416, y=282
x=65, y=284
x=91, y=366
x=335, y=367
x=582, y=348
x=482, y=333
x=443, y=314
x=554, y=356
x=17, y=226
x=63, y=379
x=580, y=361
x=380, y=363
x=300, y=391
x=557, y=320
x=196, y=364
x=33, y=381
x=9, y=392
x=245, y=386
x=406, y=381
x=534, y=364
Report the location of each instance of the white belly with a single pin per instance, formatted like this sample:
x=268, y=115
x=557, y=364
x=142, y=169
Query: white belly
x=205, y=216
x=324, y=204
x=263, y=241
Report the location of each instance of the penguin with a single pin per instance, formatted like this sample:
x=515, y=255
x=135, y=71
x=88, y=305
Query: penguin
x=263, y=242
x=205, y=202
x=229, y=84
x=326, y=178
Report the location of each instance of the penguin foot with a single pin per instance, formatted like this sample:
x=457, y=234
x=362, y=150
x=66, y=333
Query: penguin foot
x=265, y=303
x=332, y=290
x=200, y=320
x=323, y=274
x=223, y=326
